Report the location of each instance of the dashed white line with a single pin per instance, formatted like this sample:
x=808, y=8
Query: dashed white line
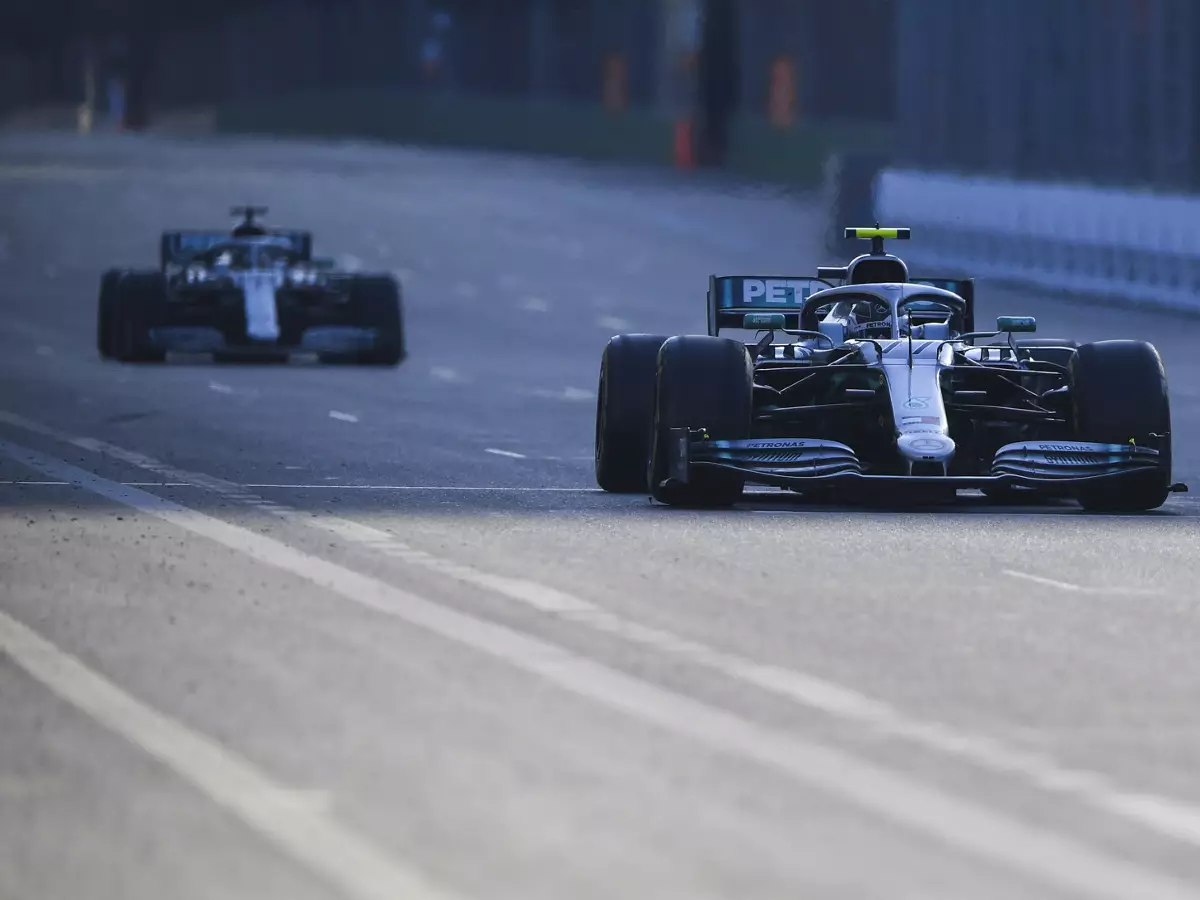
x=509, y=453
x=569, y=393
x=612, y=322
x=307, y=834
x=298, y=822
x=445, y=373
x=342, y=417
x=220, y=388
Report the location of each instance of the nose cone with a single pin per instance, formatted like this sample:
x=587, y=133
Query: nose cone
x=924, y=451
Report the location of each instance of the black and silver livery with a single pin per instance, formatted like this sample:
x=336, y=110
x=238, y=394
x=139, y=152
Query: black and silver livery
x=882, y=385
x=251, y=292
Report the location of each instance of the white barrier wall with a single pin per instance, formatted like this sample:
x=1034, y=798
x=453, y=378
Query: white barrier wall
x=1122, y=243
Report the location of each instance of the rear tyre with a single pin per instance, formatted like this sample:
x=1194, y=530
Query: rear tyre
x=105, y=312
x=1119, y=392
x=141, y=303
x=375, y=302
x=703, y=382
x=625, y=412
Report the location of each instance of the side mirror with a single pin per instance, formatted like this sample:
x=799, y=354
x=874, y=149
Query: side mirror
x=773, y=321
x=1017, y=324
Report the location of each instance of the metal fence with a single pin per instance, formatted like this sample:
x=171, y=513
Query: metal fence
x=1080, y=90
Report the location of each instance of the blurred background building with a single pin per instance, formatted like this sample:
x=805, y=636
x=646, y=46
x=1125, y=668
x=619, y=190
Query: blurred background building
x=1093, y=90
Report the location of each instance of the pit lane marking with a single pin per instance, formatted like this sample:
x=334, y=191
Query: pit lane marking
x=1167, y=817
x=315, y=839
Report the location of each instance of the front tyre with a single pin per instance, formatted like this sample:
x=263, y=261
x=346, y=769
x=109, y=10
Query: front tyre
x=141, y=304
x=1119, y=390
x=106, y=311
x=625, y=411
x=703, y=382
x=376, y=303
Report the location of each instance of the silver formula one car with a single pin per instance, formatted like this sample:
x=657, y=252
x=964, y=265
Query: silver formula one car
x=882, y=387
x=250, y=293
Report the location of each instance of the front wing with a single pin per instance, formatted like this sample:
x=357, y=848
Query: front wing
x=800, y=464
x=228, y=324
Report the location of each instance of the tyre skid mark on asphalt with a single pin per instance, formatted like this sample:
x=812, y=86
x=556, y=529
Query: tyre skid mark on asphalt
x=960, y=825
x=1167, y=817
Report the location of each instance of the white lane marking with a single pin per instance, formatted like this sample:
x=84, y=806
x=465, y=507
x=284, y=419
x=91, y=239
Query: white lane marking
x=219, y=388
x=298, y=822
x=126, y=483
x=342, y=417
x=569, y=393
x=445, y=373
x=534, y=304
x=613, y=323
x=1168, y=817
x=407, y=487
x=1070, y=587
x=1029, y=849
x=508, y=453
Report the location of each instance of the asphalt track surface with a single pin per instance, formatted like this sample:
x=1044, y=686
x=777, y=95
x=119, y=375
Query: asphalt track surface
x=305, y=632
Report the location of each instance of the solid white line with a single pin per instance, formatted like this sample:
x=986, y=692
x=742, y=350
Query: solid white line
x=509, y=453
x=420, y=487
x=341, y=416
x=1077, y=588
x=1167, y=817
x=288, y=818
x=220, y=388
x=1029, y=849
x=127, y=483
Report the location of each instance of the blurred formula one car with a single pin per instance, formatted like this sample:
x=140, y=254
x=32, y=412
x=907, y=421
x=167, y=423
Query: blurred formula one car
x=249, y=293
x=884, y=387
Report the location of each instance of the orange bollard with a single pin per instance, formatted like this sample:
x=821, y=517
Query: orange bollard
x=684, y=155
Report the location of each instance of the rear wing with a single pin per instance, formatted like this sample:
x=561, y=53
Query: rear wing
x=734, y=301
x=178, y=246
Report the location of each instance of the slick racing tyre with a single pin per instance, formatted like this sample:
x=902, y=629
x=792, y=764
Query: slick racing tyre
x=375, y=302
x=105, y=312
x=141, y=301
x=1119, y=393
x=625, y=412
x=703, y=382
